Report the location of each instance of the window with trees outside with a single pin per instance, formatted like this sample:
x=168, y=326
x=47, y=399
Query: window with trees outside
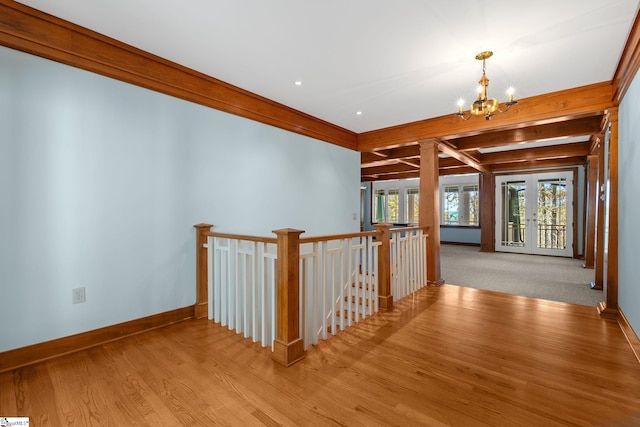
x=395, y=201
x=461, y=205
x=386, y=206
x=412, y=204
x=398, y=201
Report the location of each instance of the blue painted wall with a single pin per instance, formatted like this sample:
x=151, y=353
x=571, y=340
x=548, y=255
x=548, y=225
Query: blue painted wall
x=101, y=183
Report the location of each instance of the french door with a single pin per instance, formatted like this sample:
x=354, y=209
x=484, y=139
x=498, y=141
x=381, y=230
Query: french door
x=534, y=213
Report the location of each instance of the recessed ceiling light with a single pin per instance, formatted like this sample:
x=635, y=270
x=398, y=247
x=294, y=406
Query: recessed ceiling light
x=297, y=83
x=358, y=113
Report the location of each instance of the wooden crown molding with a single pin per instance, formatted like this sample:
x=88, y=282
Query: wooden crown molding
x=29, y=30
x=629, y=62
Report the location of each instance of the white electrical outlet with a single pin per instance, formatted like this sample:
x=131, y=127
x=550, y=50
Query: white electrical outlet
x=78, y=295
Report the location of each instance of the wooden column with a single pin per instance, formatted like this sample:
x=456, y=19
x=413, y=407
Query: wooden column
x=385, y=299
x=591, y=207
x=288, y=347
x=487, y=212
x=430, y=207
x=600, y=225
x=611, y=259
x=201, y=308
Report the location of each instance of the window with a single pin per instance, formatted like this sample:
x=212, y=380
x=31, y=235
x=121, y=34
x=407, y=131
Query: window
x=386, y=205
x=412, y=204
x=398, y=201
x=471, y=204
x=460, y=200
x=379, y=204
x=395, y=201
x=461, y=205
x=451, y=204
x=393, y=205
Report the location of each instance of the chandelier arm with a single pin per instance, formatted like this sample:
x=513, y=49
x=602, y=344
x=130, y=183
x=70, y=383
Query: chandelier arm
x=464, y=117
x=508, y=104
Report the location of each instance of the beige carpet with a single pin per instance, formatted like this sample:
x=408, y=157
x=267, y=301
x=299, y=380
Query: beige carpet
x=544, y=277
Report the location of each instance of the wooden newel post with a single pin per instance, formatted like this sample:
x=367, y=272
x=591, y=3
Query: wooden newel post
x=429, y=209
x=201, y=308
x=385, y=299
x=288, y=347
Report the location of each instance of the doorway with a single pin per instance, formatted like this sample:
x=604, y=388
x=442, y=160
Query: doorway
x=534, y=213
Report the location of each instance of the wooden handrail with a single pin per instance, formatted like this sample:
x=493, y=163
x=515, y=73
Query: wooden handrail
x=312, y=239
x=337, y=236
x=242, y=237
x=412, y=228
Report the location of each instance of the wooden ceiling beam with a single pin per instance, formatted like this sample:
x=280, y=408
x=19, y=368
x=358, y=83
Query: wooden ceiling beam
x=553, y=107
x=542, y=164
x=571, y=128
x=457, y=170
x=595, y=142
x=379, y=163
x=395, y=168
x=465, y=158
x=386, y=177
x=411, y=162
x=449, y=162
x=408, y=152
x=371, y=157
x=406, y=175
x=539, y=153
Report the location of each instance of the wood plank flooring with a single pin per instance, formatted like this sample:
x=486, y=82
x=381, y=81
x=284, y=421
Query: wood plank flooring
x=446, y=356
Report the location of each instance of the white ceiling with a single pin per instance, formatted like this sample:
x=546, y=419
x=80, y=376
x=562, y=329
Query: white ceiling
x=395, y=61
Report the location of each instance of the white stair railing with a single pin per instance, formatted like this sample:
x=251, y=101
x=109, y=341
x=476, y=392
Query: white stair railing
x=408, y=261
x=338, y=283
x=242, y=285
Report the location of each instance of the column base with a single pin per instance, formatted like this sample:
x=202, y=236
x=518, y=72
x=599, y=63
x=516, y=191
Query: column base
x=201, y=310
x=287, y=354
x=437, y=282
x=385, y=303
x=607, y=313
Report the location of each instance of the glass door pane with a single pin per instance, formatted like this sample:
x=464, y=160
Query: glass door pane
x=552, y=214
x=534, y=213
x=553, y=218
x=513, y=204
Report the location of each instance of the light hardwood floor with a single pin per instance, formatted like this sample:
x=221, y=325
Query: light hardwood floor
x=446, y=356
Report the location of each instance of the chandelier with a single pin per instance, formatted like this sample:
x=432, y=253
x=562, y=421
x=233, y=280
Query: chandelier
x=484, y=106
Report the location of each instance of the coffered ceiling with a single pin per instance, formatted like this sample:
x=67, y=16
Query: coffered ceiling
x=558, y=144
x=367, y=65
